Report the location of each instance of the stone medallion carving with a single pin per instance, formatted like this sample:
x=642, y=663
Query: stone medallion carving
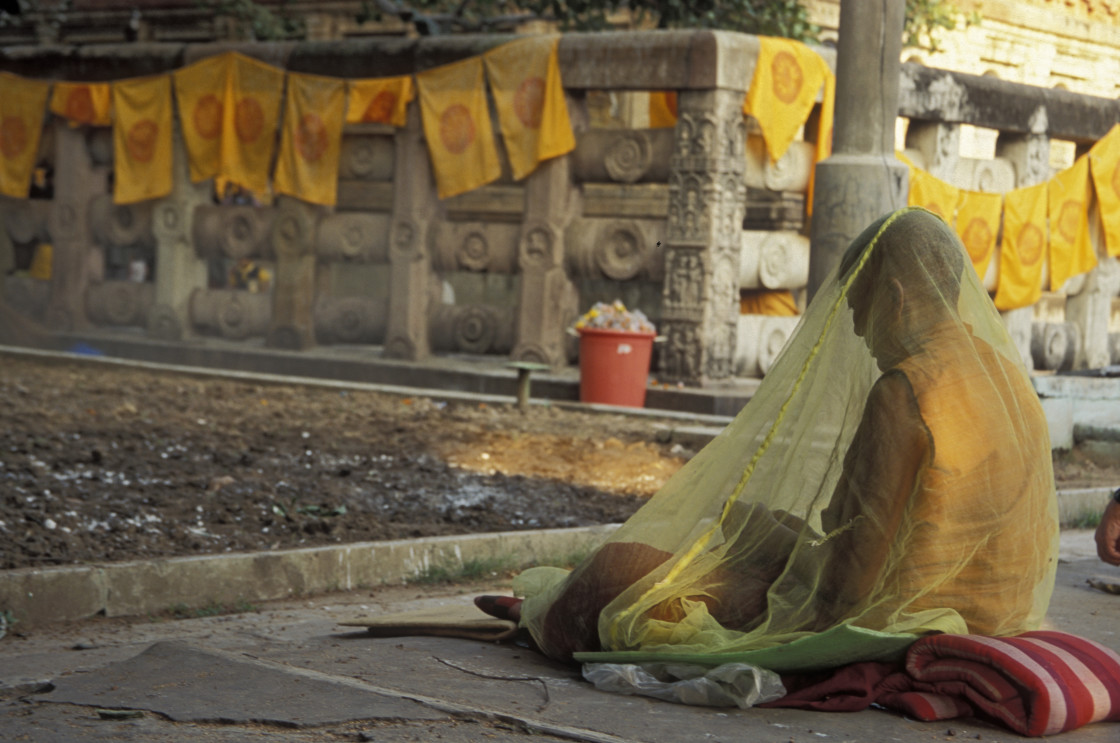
x=474, y=252
x=240, y=234
x=538, y=248
x=403, y=241
x=475, y=329
x=628, y=157
x=620, y=250
x=292, y=233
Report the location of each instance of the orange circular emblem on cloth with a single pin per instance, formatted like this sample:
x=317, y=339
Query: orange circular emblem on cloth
x=311, y=137
x=248, y=120
x=1031, y=242
x=528, y=102
x=977, y=239
x=934, y=207
x=141, y=140
x=380, y=109
x=1069, y=220
x=13, y=136
x=208, y=116
x=456, y=128
x=79, y=106
x=787, y=77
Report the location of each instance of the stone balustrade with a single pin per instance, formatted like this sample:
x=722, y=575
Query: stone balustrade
x=680, y=218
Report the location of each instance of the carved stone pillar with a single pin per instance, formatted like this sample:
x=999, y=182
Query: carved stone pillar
x=179, y=270
x=69, y=226
x=940, y=145
x=410, y=271
x=548, y=299
x=1030, y=156
x=1089, y=310
x=293, y=298
x=707, y=193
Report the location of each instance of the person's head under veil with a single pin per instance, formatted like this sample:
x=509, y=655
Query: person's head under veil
x=891, y=473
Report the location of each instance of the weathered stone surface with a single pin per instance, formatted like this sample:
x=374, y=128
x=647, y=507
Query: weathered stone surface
x=292, y=239
x=938, y=95
x=1054, y=345
x=354, y=237
x=351, y=319
x=617, y=249
x=414, y=207
x=474, y=246
x=231, y=313
x=472, y=329
x=360, y=195
x=495, y=203
x=120, y=302
x=774, y=260
x=180, y=267
x=68, y=225
x=366, y=158
x=232, y=231
x=760, y=339
x=623, y=156
x=120, y=225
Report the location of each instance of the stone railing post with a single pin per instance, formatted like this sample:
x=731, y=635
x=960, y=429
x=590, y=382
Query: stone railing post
x=68, y=224
x=410, y=271
x=178, y=269
x=1089, y=311
x=1029, y=154
x=940, y=145
x=293, y=297
x=548, y=299
x=703, y=242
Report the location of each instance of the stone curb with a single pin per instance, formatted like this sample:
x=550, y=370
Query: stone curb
x=136, y=588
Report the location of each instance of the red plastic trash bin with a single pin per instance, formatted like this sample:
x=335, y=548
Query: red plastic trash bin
x=614, y=366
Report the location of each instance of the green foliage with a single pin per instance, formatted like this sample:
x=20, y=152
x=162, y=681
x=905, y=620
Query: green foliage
x=473, y=569
x=927, y=19
x=767, y=17
x=258, y=22
x=1088, y=519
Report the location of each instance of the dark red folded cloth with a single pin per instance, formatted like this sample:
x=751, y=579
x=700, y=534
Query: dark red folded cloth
x=1037, y=683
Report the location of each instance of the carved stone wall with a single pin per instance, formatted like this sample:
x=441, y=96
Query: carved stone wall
x=703, y=240
x=229, y=313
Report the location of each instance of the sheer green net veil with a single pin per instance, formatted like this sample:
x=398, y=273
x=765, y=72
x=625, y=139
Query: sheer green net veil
x=892, y=473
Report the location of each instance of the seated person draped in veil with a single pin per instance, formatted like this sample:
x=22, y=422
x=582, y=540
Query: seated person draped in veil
x=893, y=472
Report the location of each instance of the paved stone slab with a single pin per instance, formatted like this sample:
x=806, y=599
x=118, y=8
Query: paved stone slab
x=187, y=684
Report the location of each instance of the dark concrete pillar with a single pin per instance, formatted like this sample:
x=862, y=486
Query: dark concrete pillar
x=862, y=180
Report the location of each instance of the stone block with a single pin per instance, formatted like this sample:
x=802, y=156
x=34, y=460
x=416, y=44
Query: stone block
x=623, y=156
x=616, y=249
x=774, y=260
x=36, y=596
x=474, y=246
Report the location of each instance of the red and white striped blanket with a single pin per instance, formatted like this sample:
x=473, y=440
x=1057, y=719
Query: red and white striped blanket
x=1037, y=683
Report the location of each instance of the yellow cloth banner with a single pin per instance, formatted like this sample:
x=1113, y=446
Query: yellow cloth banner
x=662, y=109
x=1022, y=248
x=457, y=127
x=525, y=79
x=933, y=194
x=1071, y=250
x=382, y=100
x=142, y=139
x=82, y=103
x=1104, y=161
x=22, y=106
x=774, y=302
x=311, y=138
x=978, y=225
x=230, y=107
x=787, y=77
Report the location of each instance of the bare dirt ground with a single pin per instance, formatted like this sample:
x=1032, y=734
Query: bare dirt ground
x=104, y=463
